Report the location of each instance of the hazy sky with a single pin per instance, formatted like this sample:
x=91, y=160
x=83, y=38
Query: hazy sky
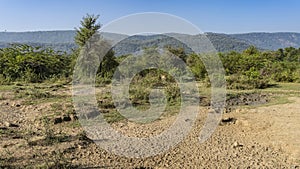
x=226, y=16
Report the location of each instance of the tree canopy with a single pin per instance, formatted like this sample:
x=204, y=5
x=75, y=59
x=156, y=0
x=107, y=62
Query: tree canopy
x=89, y=26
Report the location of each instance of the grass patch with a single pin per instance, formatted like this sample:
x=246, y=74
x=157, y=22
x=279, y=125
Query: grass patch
x=6, y=87
x=56, y=159
x=57, y=98
x=57, y=108
x=51, y=140
x=287, y=86
x=32, y=93
x=278, y=93
x=279, y=99
x=74, y=124
x=113, y=116
x=6, y=159
x=36, y=91
x=6, y=132
x=172, y=110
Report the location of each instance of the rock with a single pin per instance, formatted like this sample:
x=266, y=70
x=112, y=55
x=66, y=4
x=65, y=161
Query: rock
x=16, y=137
x=66, y=118
x=237, y=144
x=79, y=147
x=7, y=124
x=57, y=120
x=228, y=120
x=3, y=128
x=187, y=120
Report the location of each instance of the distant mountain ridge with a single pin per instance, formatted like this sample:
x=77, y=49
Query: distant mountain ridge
x=38, y=37
x=58, y=40
x=271, y=41
x=64, y=40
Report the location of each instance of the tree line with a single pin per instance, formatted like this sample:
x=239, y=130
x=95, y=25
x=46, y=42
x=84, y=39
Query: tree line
x=248, y=69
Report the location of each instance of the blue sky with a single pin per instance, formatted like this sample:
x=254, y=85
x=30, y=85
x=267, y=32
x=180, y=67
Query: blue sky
x=223, y=16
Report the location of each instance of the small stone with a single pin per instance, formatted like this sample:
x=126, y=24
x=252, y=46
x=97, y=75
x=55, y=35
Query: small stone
x=7, y=124
x=57, y=120
x=80, y=147
x=187, y=120
x=236, y=144
x=227, y=120
x=3, y=128
x=66, y=118
x=16, y=137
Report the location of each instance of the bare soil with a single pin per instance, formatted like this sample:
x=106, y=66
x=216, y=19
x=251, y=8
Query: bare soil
x=265, y=136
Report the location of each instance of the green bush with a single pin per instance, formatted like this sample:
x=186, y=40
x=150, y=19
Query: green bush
x=32, y=64
x=243, y=82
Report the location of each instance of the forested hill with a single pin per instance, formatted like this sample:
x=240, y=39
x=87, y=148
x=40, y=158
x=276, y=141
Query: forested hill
x=38, y=37
x=271, y=41
x=58, y=40
x=64, y=40
x=225, y=43
x=222, y=42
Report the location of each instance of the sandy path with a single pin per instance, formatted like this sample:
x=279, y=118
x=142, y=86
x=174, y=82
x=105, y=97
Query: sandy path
x=277, y=125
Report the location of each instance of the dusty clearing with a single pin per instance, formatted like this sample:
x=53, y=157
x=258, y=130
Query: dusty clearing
x=43, y=132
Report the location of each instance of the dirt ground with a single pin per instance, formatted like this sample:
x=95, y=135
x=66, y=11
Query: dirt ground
x=32, y=135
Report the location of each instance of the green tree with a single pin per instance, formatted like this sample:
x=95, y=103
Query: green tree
x=179, y=52
x=96, y=48
x=252, y=50
x=89, y=27
x=196, y=65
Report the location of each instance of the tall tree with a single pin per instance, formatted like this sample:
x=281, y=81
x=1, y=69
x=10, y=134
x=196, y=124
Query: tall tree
x=87, y=32
x=89, y=26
